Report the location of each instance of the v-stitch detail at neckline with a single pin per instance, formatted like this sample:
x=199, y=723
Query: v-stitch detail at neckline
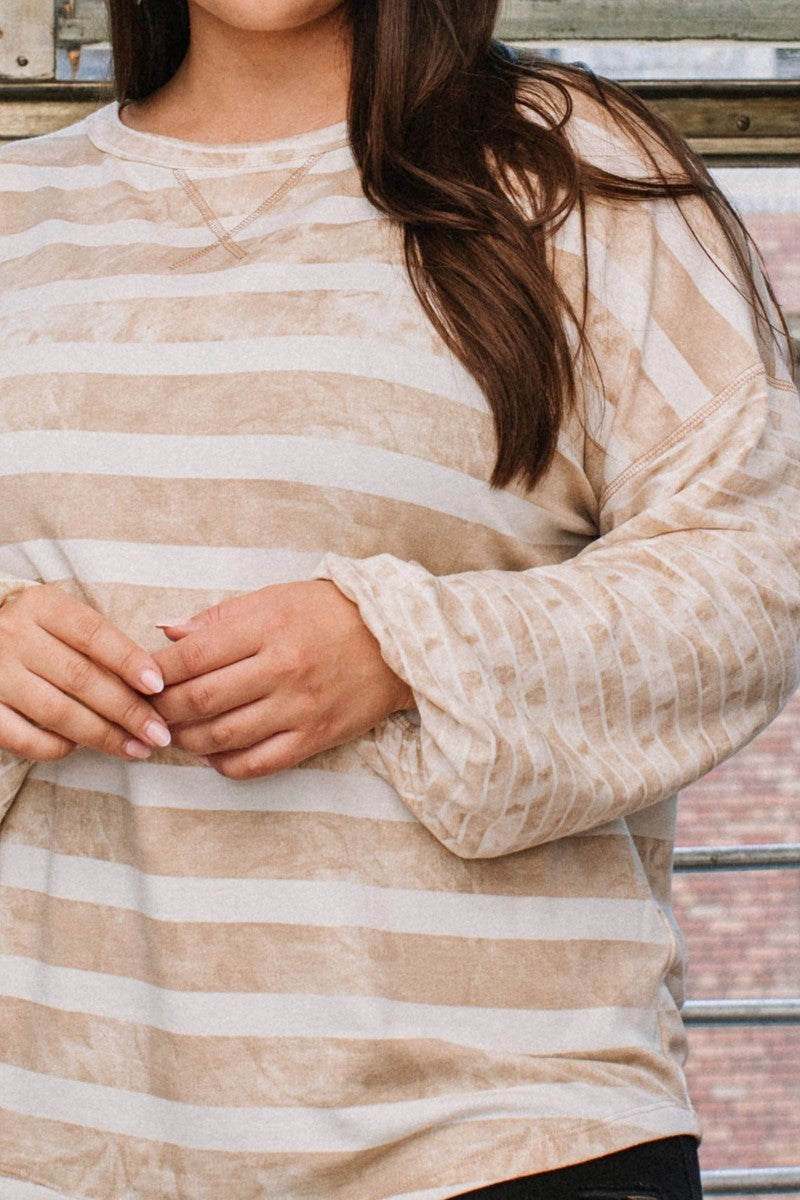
x=227, y=238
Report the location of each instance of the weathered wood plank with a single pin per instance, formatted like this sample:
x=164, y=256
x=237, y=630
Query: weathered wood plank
x=663, y=20
x=26, y=41
x=748, y=121
x=20, y=119
x=748, y=110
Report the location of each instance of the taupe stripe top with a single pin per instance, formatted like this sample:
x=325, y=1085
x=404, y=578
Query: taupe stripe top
x=443, y=955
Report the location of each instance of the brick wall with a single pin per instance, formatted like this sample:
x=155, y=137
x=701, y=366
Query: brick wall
x=743, y=930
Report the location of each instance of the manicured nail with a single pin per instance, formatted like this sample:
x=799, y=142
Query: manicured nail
x=158, y=734
x=136, y=749
x=171, y=624
x=151, y=681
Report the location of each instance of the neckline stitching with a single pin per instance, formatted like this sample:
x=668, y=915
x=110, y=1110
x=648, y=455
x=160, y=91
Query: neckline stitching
x=108, y=134
x=226, y=238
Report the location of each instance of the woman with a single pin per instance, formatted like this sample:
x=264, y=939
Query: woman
x=429, y=403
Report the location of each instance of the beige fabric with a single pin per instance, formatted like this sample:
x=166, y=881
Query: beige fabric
x=444, y=955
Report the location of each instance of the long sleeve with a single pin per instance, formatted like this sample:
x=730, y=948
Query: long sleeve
x=555, y=699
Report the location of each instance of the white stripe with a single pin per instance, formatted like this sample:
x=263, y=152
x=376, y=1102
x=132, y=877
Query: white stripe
x=21, y=1189
x=328, y=904
x=250, y=278
x=627, y=300
x=356, y=1018
x=132, y=232
x=144, y=564
x=368, y=358
x=312, y=461
x=294, y=1130
x=156, y=785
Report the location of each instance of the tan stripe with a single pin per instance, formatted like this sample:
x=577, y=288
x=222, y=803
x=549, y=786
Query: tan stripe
x=708, y=342
x=624, y=382
x=287, y=959
x=187, y=319
x=352, y=409
x=81, y=1162
x=366, y=411
x=268, y=1071
x=230, y=845
x=230, y=195
x=367, y=240
x=251, y=513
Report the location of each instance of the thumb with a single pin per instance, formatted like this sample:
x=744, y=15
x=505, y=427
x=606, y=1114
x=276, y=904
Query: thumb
x=175, y=630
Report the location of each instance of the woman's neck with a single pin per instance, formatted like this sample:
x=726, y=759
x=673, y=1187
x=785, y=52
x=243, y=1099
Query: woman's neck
x=242, y=86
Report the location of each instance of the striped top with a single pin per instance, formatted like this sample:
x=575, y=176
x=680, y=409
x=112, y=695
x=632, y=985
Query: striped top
x=442, y=955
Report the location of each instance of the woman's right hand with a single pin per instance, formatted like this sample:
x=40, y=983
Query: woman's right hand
x=69, y=678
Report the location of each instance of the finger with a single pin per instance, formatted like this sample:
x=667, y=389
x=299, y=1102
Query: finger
x=59, y=713
x=235, y=729
x=175, y=630
x=92, y=634
x=18, y=735
x=269, y=757
x=97, y=688
x=207, y=649
x=212, y=694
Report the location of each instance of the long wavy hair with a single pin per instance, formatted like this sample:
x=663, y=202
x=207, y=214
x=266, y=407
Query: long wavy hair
x=440, y=126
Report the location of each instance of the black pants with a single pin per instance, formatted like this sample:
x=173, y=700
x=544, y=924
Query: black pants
x=663, y=1170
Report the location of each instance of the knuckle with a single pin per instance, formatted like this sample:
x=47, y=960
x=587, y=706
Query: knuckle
x=288, y=662
x=79, y=675
x=220, y=735
x=129, y=660
x=110, y=741
x=88, y=625
x=133, y=715
x=193, y=655
x=53, y=712
x=199, y=697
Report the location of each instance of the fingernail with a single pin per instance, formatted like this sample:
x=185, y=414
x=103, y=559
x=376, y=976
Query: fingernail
x=158, y=734
x=171, y=624
x=151, y=681
x=136, y=749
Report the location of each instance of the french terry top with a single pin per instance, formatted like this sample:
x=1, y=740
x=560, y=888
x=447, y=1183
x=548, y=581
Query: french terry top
x=443, y=955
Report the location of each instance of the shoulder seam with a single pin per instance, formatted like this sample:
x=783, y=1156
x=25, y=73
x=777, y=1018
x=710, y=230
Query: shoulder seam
x=688, y=426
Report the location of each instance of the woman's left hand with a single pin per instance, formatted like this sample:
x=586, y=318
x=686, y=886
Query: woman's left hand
x=263, y=681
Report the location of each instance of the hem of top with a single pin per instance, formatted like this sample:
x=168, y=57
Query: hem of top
x=107, y=133
x=688, y=1121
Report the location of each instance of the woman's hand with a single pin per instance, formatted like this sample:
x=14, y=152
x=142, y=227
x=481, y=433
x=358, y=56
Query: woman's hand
x=68, y=678
x=264, y=681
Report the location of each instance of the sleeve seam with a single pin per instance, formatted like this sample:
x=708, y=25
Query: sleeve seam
x=688, y=426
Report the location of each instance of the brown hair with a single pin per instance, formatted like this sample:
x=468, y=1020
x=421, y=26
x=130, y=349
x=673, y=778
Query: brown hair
x=444, y=144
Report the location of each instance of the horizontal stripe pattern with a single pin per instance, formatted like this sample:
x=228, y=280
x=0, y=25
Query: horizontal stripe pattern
x=309, y=461
x=194, y=1014
x=330, y=905
x=441, y=955
x=291, y=1130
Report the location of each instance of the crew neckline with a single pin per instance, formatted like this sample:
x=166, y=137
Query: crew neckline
x=107, y=132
